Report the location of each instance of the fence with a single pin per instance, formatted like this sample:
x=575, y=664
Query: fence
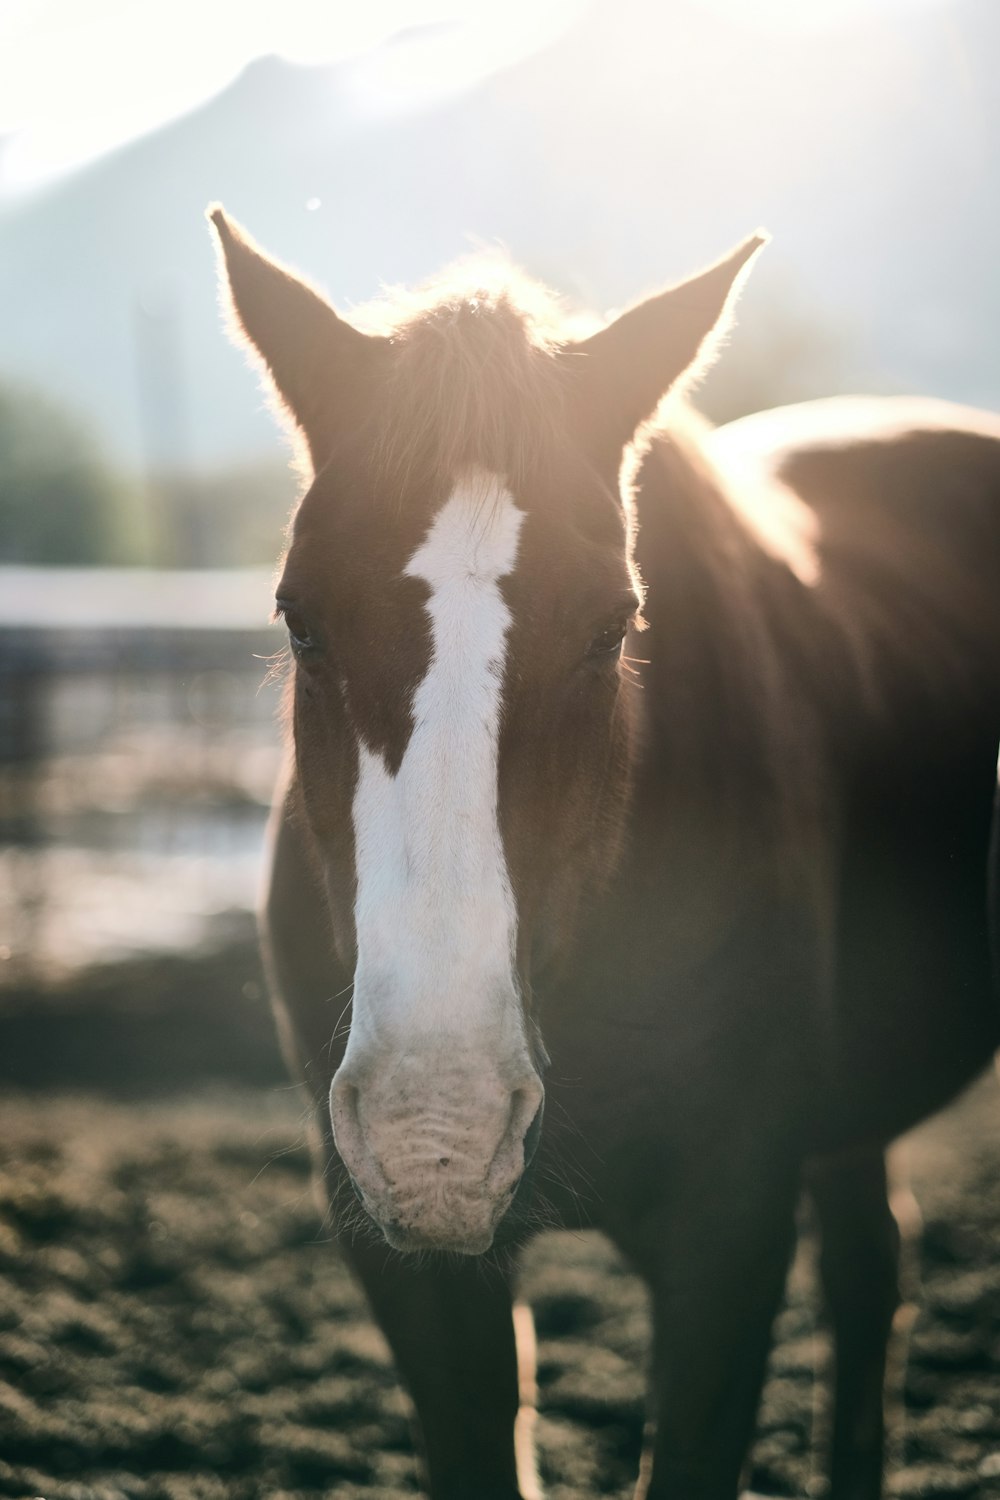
x=138, y=750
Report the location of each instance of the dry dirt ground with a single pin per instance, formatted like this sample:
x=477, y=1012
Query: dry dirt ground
x=175, y=1325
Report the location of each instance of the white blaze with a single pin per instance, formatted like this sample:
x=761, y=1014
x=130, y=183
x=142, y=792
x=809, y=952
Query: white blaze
x=434, y=910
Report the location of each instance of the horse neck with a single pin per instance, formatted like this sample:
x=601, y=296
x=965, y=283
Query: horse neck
x=711, y=682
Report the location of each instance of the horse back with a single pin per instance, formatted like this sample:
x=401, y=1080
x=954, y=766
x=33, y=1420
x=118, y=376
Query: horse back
x=901, y=503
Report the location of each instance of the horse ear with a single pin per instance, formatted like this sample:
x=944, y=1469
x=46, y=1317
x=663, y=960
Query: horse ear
x=628, y=367
x=320, y=367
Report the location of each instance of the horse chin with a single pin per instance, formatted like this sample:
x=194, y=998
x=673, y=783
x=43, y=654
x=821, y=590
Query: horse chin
x=472, y=1233
x=415, y=1242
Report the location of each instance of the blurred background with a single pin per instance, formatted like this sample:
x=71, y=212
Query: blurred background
x=608, y=147
x=172, y=1325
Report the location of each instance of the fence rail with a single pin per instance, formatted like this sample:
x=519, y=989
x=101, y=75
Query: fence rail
x=138, y=749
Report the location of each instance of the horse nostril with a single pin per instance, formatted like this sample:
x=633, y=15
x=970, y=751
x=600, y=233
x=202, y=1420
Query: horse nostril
x=520, y=1138
x=443, y=1161
x=348, y=1136
x=533, y=1133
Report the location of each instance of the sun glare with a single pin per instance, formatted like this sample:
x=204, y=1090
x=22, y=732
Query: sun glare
x=430, y=64
x=810, y=15
x=66, y=95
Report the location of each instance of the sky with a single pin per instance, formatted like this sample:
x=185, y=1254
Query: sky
x=80, y=77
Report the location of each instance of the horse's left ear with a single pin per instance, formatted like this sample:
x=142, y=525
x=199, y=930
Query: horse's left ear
x=623, y=372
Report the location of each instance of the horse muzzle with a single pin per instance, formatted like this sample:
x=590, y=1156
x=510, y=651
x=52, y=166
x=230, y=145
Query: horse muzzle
x=435, y=1154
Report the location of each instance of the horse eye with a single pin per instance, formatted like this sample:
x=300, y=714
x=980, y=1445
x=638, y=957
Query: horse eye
x=609, y=642
x=298, y=630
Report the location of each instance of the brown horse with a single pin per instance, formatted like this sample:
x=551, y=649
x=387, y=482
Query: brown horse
x=674, y=795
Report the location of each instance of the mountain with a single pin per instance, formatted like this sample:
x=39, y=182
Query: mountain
x=640, y=145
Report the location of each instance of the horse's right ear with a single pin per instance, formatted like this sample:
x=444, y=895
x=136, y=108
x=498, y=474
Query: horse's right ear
x=320, y=367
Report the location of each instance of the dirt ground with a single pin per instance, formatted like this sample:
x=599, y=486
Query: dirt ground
x=176, y=1325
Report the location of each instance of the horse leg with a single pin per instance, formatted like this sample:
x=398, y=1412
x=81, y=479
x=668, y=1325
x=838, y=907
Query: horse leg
x=859, y=1271
x=450, y=1327
x=716, y=1286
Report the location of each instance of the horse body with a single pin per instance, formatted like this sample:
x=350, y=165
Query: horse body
x=897, y=646
x=906, y=624
x=757, y=945
x=812, y=804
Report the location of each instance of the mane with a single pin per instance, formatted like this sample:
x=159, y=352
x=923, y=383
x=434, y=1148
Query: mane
x=475, y=381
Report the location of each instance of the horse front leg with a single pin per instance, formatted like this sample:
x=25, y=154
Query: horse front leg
x=449, y=1325
x=716, y=1276
x=859, y=1270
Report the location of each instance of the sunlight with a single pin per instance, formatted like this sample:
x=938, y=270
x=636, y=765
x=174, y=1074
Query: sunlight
x=815, y=15
x=420, y=67
x=66, y=97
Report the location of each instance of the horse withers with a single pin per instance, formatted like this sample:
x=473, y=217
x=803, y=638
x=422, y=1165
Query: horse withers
x=653, y=814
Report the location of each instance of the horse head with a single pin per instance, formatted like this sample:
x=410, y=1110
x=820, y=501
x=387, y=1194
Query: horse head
x=459, y=593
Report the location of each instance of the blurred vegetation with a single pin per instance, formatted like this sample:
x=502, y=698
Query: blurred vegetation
x=228, y=517
x=62, y=502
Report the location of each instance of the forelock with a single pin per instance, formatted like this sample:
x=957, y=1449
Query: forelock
x=475, y=381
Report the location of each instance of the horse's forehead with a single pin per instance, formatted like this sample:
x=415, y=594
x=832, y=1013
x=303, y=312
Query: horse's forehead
x=345, y=536
x=351, y=547
x=410, y=597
